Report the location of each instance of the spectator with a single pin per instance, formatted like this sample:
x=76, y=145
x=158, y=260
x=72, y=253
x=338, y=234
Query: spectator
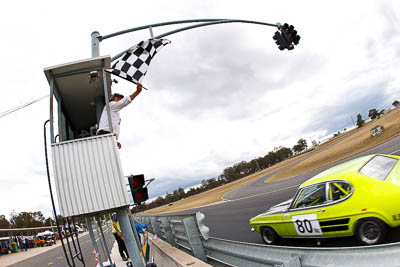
x=140, y=227
x=119, y=238
x=24, y=243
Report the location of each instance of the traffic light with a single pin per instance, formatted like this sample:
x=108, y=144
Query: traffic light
x=288, y=37
x=285, y=32
x=295, y=38
x=279, y=40
x=292, y=34
x=139, y=193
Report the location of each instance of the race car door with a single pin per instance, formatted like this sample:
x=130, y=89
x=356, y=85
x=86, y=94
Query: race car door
x=306, y=210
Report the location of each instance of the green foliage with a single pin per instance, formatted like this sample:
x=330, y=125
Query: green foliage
x=4, y=224
x=181, y=194
x=24, y=220
x=396, y=104
x=380, y=113
x=27, y=219
x=360, y=121
x=372, y=113
x=49, y=222
x=300, y=146
x=242, y=169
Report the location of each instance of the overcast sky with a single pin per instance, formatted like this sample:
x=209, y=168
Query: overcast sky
x=218, y=95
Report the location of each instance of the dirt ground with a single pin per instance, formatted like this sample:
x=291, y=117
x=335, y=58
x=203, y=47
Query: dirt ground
x=359, y=141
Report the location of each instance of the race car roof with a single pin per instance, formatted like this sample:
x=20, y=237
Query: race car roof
x=347, y=169
x=349, y=166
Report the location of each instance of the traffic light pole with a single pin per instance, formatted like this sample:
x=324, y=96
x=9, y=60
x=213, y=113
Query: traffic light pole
x=97, y=38
x=95, y=44
x=149, y=181
x=131, y=240
x=129, y=237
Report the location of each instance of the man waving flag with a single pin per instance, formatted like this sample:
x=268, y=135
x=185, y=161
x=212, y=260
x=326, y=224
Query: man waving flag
x=133, y=65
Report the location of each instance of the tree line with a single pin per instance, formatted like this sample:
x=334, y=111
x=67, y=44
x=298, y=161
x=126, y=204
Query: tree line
x=229, y=174
x=24, y=220
x=374, y=113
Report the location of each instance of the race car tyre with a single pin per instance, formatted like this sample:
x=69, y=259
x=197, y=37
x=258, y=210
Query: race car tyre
x=371, y=231
x=269, y=236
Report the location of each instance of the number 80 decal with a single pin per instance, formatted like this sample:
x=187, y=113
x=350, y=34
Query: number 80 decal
x=306, y=224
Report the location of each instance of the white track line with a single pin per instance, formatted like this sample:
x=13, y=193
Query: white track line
x=105, y=231
x=395, y=151
x=266, y=193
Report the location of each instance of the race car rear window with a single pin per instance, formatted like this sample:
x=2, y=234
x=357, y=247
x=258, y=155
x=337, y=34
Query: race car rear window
x=338, y=190
x=378, y=167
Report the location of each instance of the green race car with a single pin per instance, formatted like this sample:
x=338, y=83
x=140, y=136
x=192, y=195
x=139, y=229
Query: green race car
x=359, y=197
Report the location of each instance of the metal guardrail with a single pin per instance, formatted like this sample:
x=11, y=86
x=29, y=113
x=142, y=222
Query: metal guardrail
x=188, y=233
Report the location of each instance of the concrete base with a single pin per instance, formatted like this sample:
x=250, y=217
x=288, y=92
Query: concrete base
x=167, y=256
x=117, y=260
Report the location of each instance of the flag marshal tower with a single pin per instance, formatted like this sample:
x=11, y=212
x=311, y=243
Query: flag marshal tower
x=87, y=170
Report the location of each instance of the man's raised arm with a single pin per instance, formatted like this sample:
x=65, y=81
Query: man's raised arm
x=138, y=90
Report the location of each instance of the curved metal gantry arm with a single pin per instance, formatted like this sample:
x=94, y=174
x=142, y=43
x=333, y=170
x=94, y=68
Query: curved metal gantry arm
x=101, y=38
x=204, y=22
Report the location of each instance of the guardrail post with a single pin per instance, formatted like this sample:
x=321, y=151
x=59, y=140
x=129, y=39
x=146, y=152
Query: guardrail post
x=148, y=222
x=193, y=238
x=204, y=230
x=168, y=231
x=155, y=226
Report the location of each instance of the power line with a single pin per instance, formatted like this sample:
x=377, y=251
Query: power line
x=7, y=112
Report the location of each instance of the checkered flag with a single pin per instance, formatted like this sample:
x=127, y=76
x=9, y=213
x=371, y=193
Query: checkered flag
x=133, y=65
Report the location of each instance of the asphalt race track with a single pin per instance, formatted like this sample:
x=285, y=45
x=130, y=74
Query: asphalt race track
x=230, y=220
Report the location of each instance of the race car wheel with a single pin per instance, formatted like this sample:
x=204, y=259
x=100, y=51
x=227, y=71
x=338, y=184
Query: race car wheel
x=269, y=236
x=371, y=231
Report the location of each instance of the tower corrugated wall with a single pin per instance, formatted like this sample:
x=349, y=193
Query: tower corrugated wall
x=88, y=175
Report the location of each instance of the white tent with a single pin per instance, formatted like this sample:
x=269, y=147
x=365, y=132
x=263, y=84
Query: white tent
x=47, y=232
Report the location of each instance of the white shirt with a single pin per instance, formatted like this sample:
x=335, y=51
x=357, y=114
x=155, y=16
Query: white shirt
x=115, y=107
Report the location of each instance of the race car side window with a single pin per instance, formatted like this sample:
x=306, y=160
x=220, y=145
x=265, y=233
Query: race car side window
x=378, y=167
x=338, y=190
x=310, y=196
